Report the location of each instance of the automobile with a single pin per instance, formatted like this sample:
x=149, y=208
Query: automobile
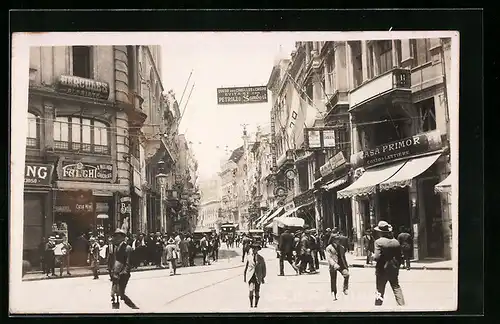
x=257, y=235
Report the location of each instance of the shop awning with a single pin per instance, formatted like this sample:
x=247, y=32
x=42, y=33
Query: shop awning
x=290, y=221
x=270, y=217
x=109, y=187
x=366, y=184
x=293, y=210
x=261, y=217
x=444, y=186
x=335, y=183
x=411, y=169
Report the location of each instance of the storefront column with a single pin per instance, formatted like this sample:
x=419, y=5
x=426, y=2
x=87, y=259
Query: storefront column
x=446, y=216
x=415, y=220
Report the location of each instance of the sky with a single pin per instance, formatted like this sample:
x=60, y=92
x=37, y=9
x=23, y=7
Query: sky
x=220, y=60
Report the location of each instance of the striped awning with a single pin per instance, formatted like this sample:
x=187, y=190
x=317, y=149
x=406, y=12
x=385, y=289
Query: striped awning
x=335, y=183
x=444, y=186
x=265, y=220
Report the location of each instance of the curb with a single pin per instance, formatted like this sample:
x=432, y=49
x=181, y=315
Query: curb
x=354, y=265
x=79, y=275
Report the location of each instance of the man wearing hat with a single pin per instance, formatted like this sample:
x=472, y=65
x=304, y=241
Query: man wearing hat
x=388, y=257
x=255, y=272
x=172, y=254
x=285, y=250
x=120, y=271
x=246, y=246
x=368, y=244
x=93, y=258
x=335, y=254
x=49, y=256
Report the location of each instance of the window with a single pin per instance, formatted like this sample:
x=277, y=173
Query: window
x=32, y=138
x=330, y=70
x=82, y=66
x=357, y=63
x=385, y=57
x=427, y=113
x=81, y=134
x=420, y=51
x=132, y=67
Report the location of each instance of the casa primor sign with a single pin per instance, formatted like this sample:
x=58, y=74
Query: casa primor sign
x=241, y=95
x=82, y=87
x=86, y=171
x=400, y=149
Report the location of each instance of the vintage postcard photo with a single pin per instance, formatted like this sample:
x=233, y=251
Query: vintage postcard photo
x=234, y=172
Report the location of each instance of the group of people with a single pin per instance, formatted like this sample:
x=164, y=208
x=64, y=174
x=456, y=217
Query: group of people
x=305, y=248
x=209, y=247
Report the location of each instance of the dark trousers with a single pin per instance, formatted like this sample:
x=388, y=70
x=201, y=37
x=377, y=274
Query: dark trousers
x=118, y=290
x=50, y=264
x=245, y=252
x=204, y=252
x=315, y=255
x=369, y=257
x=406, y=258
x=322, y=254
x=185, y=259
x=306, y=260
x=215, y=254
x=288, y=257
x=381, y=281
x=333, y=279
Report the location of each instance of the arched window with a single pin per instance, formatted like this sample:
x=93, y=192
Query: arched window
x=32, y=137
x=81, y=135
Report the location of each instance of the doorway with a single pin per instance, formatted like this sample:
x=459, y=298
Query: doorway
x=433, y=218
x=395, y=208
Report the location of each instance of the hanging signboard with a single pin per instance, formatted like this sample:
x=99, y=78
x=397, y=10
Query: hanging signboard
x=319, y=138
x=328, y=138
x=241, y=95
x=314, y=139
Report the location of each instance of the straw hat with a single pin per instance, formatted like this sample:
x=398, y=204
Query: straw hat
x=383, y=227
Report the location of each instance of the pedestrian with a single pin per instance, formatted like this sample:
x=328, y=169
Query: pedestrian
x=215, y=248
x=368, y=244
x=41, y=253
x=387, y=255
x=314, y=249
x=335, y=254
x=204, y=246
x=93, y=258
x=255, y=272
x=296, y=250
x=321, y=244
x=172, y=254
x=80, y=249
x=406, y=242
x=49, y=257
x=63, y=250
x=191, y=250
x=306, y=254
x=120, y=271
x=184, y=251
x=285, y=251
x=245, y=242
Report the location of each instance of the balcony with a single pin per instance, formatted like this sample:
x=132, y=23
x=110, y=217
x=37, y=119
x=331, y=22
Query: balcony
x=394, y=84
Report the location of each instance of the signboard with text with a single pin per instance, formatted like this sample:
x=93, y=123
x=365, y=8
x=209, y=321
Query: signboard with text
x=397, y=150
x=241, y=95
x=86, y=171
x=38, y=174
x=319, y=138
x=82, y=87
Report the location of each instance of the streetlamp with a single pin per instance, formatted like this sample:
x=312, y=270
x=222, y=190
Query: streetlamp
x=162, y=181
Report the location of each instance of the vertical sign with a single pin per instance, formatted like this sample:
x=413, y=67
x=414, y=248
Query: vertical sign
x=125, y=213
x=329, y=138
x=314, y=138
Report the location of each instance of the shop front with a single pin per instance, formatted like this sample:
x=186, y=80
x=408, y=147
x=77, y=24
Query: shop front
x=395, y=182
x=86, y=200
x=305, y=208
x=37, y=209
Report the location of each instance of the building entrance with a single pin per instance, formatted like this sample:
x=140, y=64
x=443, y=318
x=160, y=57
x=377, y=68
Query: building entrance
x=395, y=208
x=433, y=218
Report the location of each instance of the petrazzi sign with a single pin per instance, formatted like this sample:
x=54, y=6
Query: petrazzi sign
x=241, y=95
x=400, y=149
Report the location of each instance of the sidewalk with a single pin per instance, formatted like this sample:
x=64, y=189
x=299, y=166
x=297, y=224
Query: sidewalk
x=360, y=262
x=77, y=272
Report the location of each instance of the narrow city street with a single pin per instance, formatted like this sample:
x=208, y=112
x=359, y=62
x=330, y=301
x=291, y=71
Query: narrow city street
x=220, y=288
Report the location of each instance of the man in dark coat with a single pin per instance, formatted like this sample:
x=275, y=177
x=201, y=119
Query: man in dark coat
x=406, y=242
x=306, y=254
x=369, y=246
x=246, y=246
x=388, y=257
x=120, y=271
x=285, y=249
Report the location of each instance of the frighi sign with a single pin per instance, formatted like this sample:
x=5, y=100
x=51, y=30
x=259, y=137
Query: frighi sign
x=83, y=171
x=404, y=148
x=83, y=87
x=241, y=95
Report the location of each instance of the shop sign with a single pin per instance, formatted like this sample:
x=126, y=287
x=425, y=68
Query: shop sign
x=304, y=199
x=319, y=138
x=38, y=174
x=83, y=87
x=101, y=207
x=85, y=171
x=401, y=149
x=325, y=169
x=329, y=138
x=241, y=95
x=289, y=206
x=125, y=205
x=337, y=160
x=81, y=201
x=313, y=139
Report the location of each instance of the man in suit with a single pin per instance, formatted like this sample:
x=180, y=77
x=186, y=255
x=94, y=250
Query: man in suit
x=335, y=255
x=255, y=272
x=246, y=246
x=306, y=253
x=285, y=250
x=388, y=257
x=406, y=242
x=368, y=244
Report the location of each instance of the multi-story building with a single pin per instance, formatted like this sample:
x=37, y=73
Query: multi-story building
x=83, y=103
x=229, y=188
x=378, y=143
x=210, y=203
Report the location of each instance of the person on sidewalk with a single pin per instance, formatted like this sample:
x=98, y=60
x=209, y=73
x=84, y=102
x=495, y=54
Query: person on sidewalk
x=322, y=246
x=184, y=251
x=369, y=245
x=246, y=241
x=387, y=255
x=62, y=252
x=406, y=242
x=49, y=257
x=172, y=254
x=306, y=254
x=285, y=251
x=296, y=250
x=335, y=255
x=93, y=258
x=255, y=272
x=120, y=271
x=204, y=246
x=215, y=247
x=314, y=248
